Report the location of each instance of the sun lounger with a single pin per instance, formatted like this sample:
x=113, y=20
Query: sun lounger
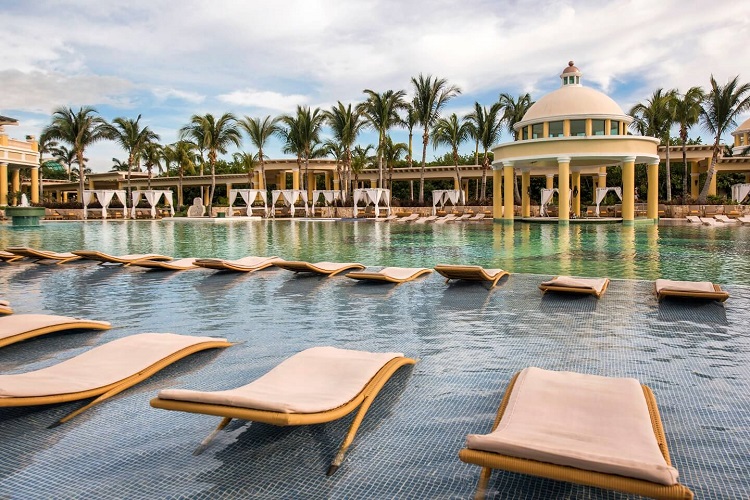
x=585, y=429
x=9, y=257
x=425, y=220
x=689, y=289
x=446, y=218
x=168, y=265
x=327, y=268
x=390, y=274
x=465, y=217
x=387, y=219
x=245, y=264
x=317, y=385
x=408, y=218
x=119, y=259
x=744, y=219
x=42, y=255
x=589, y=286
x=723, y=218
x=20, y=327
x=5, y=308
x=103, y=371
x=471, y=273
x=478, y=216
x=710, y=221
x=693, y=218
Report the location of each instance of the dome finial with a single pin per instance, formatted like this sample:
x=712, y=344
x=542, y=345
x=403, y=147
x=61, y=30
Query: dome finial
x=571, y=75
x=571, y=63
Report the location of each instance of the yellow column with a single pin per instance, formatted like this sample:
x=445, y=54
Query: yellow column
x=497, y=194
x=65, y=197
x=281, y=182
x=206, y=194
x=466, y=190
x=576, y=193
x=508, y=194
x=91, y=183
x=694, y=178
x=602, y=177
x=336, y=184
x=15, y=179
x=545, y=129
x=550, y=178
x=652, y=210
x=295, y=179
x=747, y=180
x=525, y=198
x=563, y=185
x=229, y=188
x=3, y=184
x=34, y=185
x=607, y=126
x=373, y=183
x=736, y=140
x=566, y=128
x=327, y=177
x=310, y=184
x=628, y=190
x=588, y=126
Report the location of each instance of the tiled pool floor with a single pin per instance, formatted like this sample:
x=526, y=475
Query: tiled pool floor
x=469, y=342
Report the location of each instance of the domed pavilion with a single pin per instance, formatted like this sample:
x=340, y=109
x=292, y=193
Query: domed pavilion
x=571, y=132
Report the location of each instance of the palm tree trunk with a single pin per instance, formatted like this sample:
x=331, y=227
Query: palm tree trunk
x=455, y=164
x=148, y=184
x=213, y=188
x=484, y=178
x=711, y=172
x=411, y=158
x=81, y=176
x=130, y=169
x=516, y=191
x=425, y=140
x=668, y=173
x=476, y=152
x=263, y=170
x=687, y=171
x=179, y=193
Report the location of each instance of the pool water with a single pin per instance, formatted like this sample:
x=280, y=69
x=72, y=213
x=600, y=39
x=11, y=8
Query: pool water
x=641, y=252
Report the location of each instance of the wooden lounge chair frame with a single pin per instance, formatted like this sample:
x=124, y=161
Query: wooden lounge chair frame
x=226, y=265
x=75, y=324
x=105, y=258
x=469, y=273
x=573, y=289
x=5, y=308
x=10, y=257
x=489, y=460
x=299, y=266
x=107, y=391
x=363, y=400
x=38, y=255
x=163, y=265
x=717, y=294
x=377, y=276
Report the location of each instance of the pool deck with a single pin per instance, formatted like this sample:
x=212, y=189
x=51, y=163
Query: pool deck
x=469, y=341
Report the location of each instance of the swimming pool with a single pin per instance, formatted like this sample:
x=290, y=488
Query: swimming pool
x=469, y=342
x=640, y=252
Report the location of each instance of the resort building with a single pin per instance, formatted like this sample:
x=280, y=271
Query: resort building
x=571, y=132
x=16, y=155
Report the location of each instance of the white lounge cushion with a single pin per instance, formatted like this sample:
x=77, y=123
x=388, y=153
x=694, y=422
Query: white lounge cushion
x=314, y=380
x=18, y=324
x=401, y=273
x=596, y=284
x=684, y=286
x=585, y=421
x=101, y=366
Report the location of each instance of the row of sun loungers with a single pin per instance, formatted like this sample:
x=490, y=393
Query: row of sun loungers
x=717, y=220
x=613, y=436
x=417, y=219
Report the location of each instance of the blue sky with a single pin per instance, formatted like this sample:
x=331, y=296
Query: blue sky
x=168, y=60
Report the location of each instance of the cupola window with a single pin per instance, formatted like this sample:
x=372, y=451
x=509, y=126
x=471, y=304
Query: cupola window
x=597, y=127
x=614, y=127
x=577, y=128
x=556, y=129
x=537, y=131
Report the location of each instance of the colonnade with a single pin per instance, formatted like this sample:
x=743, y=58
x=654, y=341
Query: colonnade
x=14, y=186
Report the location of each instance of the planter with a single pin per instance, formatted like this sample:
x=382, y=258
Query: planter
x=25, y=216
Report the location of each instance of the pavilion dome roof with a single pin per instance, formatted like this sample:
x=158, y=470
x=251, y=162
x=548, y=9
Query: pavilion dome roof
x=743, y=127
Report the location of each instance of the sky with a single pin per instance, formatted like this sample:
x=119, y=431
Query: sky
x=168, y=60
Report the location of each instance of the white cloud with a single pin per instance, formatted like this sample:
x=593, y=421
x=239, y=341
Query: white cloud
x=266, y=99
x=163, y=94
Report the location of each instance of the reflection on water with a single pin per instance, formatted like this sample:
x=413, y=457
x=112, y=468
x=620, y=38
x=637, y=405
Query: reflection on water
x=635, y=252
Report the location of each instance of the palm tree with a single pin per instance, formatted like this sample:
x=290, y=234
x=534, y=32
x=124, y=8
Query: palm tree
x=361, y=159
x=513, y=112
x=380, y=111
x=409, y=122
x=246, y=162
x=687, y=112
x=79, y=129
x=45, y=145
x=259, y=131
x=65, y=157
x=152, y=155
x=451, y=132
x=335, y=149
x=430, y=96
x=485, y=126
x=655, y=117
x=391, y=154
x=215, y=136
x=129, y=135
x=119, y=165
x=721, y=108
x=301, y=134
x=346, y=124
x=184, y=157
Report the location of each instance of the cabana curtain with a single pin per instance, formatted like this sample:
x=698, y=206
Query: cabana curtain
x=105, y=198
x=328, y=195
x=152, y=197
x=443, y=196
x=289, y=197
x=740, y=192
x=374, y=196
x=249, y=196
x=602, y=192
x=547, y=195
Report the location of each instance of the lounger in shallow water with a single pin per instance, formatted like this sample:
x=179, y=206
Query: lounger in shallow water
x=471, y=273
x=119, y=259
x=585, y=429
x=168, y=265
x=390, y=274
x=42, y=255
x=5, y=307
x=317, y=385
x=101, y=372
x=587, y=286
x=244, y=265
x=689, y=289
x=327, y=268
x=9, y=257
x=18, y=327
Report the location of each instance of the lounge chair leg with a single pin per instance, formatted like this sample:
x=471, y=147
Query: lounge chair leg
x=484, y=479
x=447, y=280
x=350, y=435
x=112, y=392
x=204, y=444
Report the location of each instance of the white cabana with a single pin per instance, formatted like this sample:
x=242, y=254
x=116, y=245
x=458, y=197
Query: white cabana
x=105, y=198
x=443, y=196
x=329, y=196
x=547, y=195
x=290, y=197
x=250, y=196
x=602, y=192
x=740, y=192
x=152, y=197
x=376, y=196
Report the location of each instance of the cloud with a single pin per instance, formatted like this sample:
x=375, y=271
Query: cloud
x=163, y=94
x=266, y=99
